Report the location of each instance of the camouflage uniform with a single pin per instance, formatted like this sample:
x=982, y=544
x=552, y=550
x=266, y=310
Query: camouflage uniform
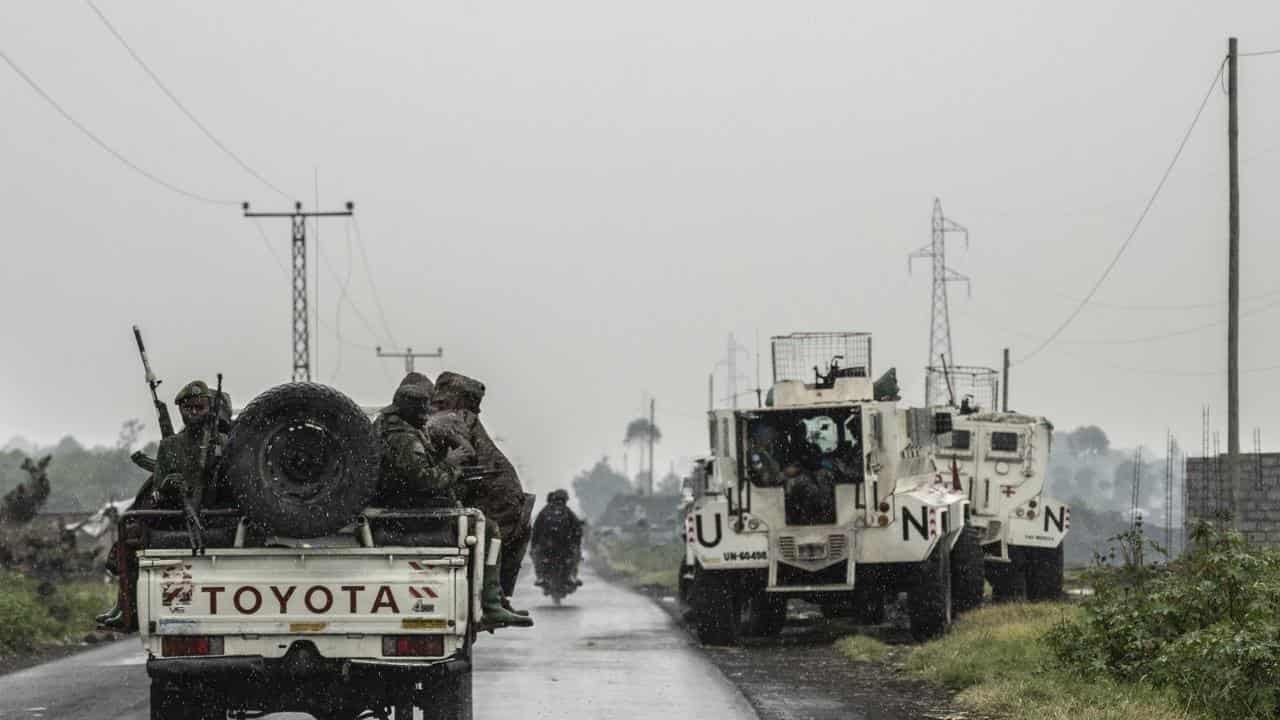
x=180, y=455
x=456, y=411
x=413, y=471
x=178, y=478
x=416, y=470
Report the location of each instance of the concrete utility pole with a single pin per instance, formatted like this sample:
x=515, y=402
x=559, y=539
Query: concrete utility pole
x=1004, y=405
x=1233, y=283
x=940, y=314
x=408, y=356
x=301, y=325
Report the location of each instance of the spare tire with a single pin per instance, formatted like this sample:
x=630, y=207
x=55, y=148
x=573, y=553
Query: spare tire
x=302, y=459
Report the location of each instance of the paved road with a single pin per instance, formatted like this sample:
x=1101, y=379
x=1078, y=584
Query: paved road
x=607, y=653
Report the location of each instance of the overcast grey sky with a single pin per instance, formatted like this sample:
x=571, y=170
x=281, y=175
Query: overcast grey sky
x=580, y=200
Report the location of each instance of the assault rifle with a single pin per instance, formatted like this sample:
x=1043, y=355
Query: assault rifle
x=162, y=410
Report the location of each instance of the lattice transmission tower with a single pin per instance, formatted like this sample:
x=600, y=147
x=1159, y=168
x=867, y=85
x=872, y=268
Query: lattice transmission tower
x=940, y=316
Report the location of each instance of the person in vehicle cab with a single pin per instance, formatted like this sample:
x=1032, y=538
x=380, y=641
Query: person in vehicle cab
x=416, y=471
x=455, y=414
x=557, y=539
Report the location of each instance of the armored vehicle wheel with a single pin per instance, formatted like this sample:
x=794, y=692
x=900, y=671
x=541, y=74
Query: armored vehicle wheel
x=762, y=614
x=1044, y=573
x=448, y=698
x=1008, y=582
x=716, y=614
x=967, y=576
x=929, y=598
x=302, y=459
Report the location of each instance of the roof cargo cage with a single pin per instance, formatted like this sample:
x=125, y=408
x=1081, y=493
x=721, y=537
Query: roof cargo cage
x=981, y=385
x=821, y=357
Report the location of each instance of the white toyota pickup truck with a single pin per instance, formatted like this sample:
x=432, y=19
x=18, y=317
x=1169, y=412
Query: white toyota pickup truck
x=358, y=612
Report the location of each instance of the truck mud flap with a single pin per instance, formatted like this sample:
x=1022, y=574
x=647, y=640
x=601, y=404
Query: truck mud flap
x=182, y=669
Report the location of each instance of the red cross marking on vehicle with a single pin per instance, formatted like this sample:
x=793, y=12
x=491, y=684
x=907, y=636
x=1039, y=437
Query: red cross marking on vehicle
x=1008, y=490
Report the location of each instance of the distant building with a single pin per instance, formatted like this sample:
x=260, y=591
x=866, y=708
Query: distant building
x=656, y=517
x=1258, y=493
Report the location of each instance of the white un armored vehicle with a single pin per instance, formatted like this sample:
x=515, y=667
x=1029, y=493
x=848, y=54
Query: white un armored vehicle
x=300, y=597
x=829, y=493
x=1003, y=459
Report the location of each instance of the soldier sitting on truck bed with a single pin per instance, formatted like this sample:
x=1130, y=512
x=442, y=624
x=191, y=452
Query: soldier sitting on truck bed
x=455, y=410
x=417, y=471
x=178, y=478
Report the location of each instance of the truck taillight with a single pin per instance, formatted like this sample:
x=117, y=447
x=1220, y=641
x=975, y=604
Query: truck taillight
x=178, y=645
x=412, y=645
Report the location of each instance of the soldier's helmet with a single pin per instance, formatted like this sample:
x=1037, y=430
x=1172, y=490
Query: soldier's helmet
x=558, y=496
x=193, y=390
x=456, y=391
x=414, y=389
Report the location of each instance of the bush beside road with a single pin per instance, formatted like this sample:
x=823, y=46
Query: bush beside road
x=999, y=663
x=36, y=617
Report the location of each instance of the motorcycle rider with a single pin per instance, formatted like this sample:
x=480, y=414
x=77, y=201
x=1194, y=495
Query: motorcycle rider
x=557, y=538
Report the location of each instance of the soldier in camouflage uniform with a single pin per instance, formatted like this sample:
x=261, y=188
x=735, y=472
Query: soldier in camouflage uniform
x=418, y=471
x=180, y=476
x=178, y=479
x=455, y=411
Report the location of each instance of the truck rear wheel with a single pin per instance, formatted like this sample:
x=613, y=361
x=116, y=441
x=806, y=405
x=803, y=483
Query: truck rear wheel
x=967, y=581
x=715, y=603
x=170, y=701
x=302, y=459
x=1044, y=573
x=1008, y=581
x=929, y=598
x=448, y=698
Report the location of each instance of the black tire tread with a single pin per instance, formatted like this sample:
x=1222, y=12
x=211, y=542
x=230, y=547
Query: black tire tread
x=967, y=576
x=342, y=497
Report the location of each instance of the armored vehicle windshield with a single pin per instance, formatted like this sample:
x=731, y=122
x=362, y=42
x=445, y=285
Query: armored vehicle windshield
x=822, y=442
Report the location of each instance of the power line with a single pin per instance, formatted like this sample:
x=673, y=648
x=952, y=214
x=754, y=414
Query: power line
x=1141, y=217
x=377, y=300
x=1259, y=52
x=1175, y=333
x=190, y=115
x=102, y=143
x=1188, y=306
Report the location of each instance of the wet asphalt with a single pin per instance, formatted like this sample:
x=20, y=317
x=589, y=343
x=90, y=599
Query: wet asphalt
x=607, y=652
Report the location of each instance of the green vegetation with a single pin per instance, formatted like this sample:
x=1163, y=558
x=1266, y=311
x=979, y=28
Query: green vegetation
x=82, y=479
x=641, y=563
x=34, y=616
x=997, y=660
x=1205, y=627
x=861, y=648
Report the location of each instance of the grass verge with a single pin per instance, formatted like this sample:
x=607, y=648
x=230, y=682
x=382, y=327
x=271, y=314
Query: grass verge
x=997, y=662
x=31, y=620
x=861, y=648
x=642, y=564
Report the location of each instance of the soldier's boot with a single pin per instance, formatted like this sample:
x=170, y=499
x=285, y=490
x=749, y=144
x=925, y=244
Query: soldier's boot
x=506, y=605
x=495, y=615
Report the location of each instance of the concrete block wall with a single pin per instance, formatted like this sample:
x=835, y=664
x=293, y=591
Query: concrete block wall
x=1258, y=494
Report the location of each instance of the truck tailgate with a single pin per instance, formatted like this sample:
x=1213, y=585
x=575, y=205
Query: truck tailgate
x=348, y=597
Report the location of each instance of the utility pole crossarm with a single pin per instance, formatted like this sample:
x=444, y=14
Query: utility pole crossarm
x=409, y=355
